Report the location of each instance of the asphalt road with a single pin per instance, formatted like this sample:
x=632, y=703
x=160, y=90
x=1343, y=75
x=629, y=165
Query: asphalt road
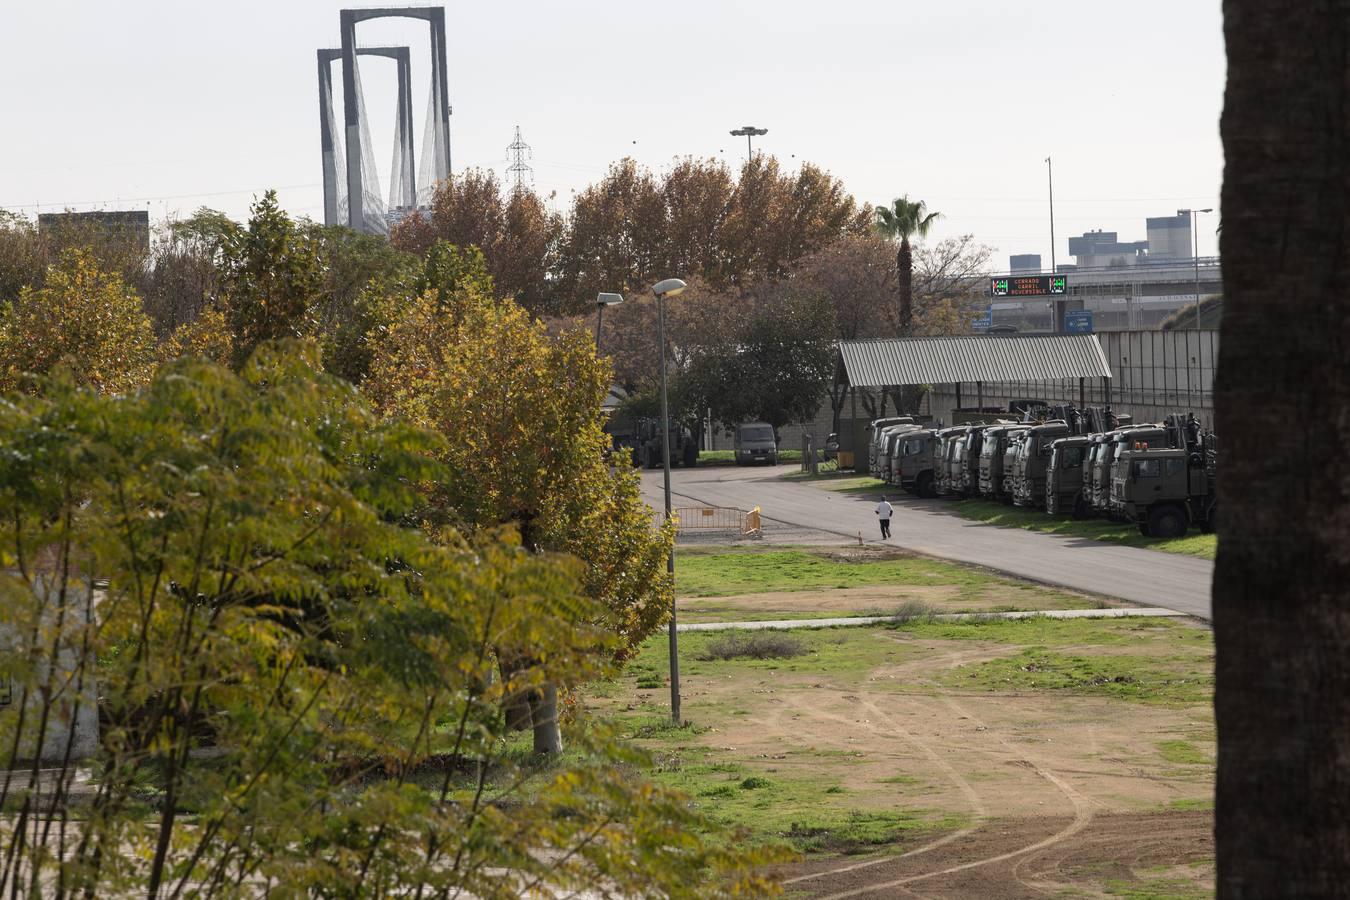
x=796, y=512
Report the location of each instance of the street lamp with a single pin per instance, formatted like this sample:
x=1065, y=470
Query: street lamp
x=748, y=132
x=671, y=287
x=1196, y=235
x=601, y=302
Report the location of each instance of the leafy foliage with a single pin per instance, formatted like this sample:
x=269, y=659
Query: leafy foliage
x=229, y=558
x=83, y=318
x=520, y=412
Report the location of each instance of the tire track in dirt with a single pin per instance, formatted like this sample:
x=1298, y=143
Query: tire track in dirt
x=1082, y=816
x=978, y=809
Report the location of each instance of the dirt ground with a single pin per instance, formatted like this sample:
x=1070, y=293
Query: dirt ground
x=880, y=600
x=1060, y=794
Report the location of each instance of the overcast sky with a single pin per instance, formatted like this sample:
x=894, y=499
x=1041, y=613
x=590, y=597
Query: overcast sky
x=173, y=104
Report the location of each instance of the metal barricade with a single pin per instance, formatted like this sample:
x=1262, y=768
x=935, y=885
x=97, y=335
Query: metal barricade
x=717, y=518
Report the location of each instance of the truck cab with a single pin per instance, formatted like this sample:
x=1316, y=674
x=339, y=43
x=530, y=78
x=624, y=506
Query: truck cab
x=952, y=450
x=1013, y=438
x=1064, y=476
x=1033, y=458
x=915, y=462
x=1136, y=437
x=887, y=450
x=874, y=443
x=992, y=446
x=1166, y=491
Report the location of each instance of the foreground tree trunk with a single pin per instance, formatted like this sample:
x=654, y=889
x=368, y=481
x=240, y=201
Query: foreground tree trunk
x=1282, y=578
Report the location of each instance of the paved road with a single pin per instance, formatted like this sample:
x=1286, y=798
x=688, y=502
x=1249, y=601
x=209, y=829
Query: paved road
x=808, y=513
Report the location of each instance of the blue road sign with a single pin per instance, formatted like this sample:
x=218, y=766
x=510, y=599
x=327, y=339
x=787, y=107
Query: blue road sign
x=1078, y=321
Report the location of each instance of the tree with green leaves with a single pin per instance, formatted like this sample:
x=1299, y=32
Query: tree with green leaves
x=85, y=319
x=902, y=220
x=295, y=682
x=524, y=447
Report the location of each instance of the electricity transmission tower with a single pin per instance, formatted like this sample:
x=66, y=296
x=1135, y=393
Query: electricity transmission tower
x=518, y=152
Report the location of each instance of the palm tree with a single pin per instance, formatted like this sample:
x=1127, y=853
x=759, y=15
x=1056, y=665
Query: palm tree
x=904, y=219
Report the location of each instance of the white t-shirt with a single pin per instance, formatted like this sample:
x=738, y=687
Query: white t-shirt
x=883, y=510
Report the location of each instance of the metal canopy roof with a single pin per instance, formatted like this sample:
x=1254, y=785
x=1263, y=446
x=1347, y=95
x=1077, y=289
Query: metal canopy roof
x=948, y=360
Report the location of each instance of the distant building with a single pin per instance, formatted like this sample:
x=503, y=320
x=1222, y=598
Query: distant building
x=1169, y=237
x=131, y=225
x=1024, y=262
x=1103, y=249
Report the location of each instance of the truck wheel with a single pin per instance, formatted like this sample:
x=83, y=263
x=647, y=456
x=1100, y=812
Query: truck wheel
x=1143, y=529
x=1080, y=507
x=1211, y=521
x=1167, y=522
x=924, y=486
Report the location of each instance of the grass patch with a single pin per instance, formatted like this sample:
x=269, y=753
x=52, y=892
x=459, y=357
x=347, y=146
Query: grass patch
x=1192, y=544
x=1139, y=678
x=1183, y=753
x=728, y=457
x=723, y=573
x=755, y=645
x=1185, y=804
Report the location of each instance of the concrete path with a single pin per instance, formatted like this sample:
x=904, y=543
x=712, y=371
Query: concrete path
x=1131, y=612
x=807, y=514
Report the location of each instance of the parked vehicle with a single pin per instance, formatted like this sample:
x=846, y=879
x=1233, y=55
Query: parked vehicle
x=875, y=431
x=647, y=449
x=1136, y=437
x=1013, y=438
x=950, y=449
x=1064, y=476
x=992, y=449
x=1166, y=491
x=886, y=450
x=969, y=483
x=1033, y=457
x=754, y=442
x=916, y=462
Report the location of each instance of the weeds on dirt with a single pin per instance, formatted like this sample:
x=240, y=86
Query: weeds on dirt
x=755, y=645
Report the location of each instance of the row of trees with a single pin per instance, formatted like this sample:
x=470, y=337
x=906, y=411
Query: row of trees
x=340, y=589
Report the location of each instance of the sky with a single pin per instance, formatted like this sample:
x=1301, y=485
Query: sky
x=169, y=105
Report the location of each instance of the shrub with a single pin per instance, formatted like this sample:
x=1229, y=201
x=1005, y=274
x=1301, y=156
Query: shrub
x=755, y=645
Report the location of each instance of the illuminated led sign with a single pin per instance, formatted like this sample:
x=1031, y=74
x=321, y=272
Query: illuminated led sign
x=1029, y=285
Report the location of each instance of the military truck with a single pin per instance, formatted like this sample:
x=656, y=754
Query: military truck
x=886, y=449
x=915, y=463
x=993, y=446
x=950, y=453
x=1014, y=438
x=1136, y=437
x=1064, y=476
x=646, y=446
x=874, y=440
x=1033, y=457
x=968, y=485
x=1166, y=491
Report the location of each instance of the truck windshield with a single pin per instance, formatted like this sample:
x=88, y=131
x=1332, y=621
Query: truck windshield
x=756, y=433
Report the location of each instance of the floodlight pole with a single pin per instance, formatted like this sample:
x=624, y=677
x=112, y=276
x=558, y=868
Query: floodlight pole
x=748, y=132
x=670, y=287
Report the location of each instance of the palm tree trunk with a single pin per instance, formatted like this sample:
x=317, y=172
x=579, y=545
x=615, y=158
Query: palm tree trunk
x=1282, y=577
x=904, y=267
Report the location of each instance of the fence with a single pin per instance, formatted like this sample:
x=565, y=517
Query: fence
x=717, y=518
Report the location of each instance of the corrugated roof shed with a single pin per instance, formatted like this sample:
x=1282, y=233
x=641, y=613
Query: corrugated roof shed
x=947, y=360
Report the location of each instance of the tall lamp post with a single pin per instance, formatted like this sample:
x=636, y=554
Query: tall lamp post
x=749, y=132
x=601, y=302
x=671, y=287
x=1195, y=234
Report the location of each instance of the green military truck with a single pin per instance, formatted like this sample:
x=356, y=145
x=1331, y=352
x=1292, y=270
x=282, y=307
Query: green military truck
x=876, y=441
x=1064, y=476
x=646, y=444
x=950, y=449
x=915, y=462
x=1166, y=491
x=992, y=451
x=1032, y=460
x=1015, y=437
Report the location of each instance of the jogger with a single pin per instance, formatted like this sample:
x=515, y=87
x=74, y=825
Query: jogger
x=884, y=516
